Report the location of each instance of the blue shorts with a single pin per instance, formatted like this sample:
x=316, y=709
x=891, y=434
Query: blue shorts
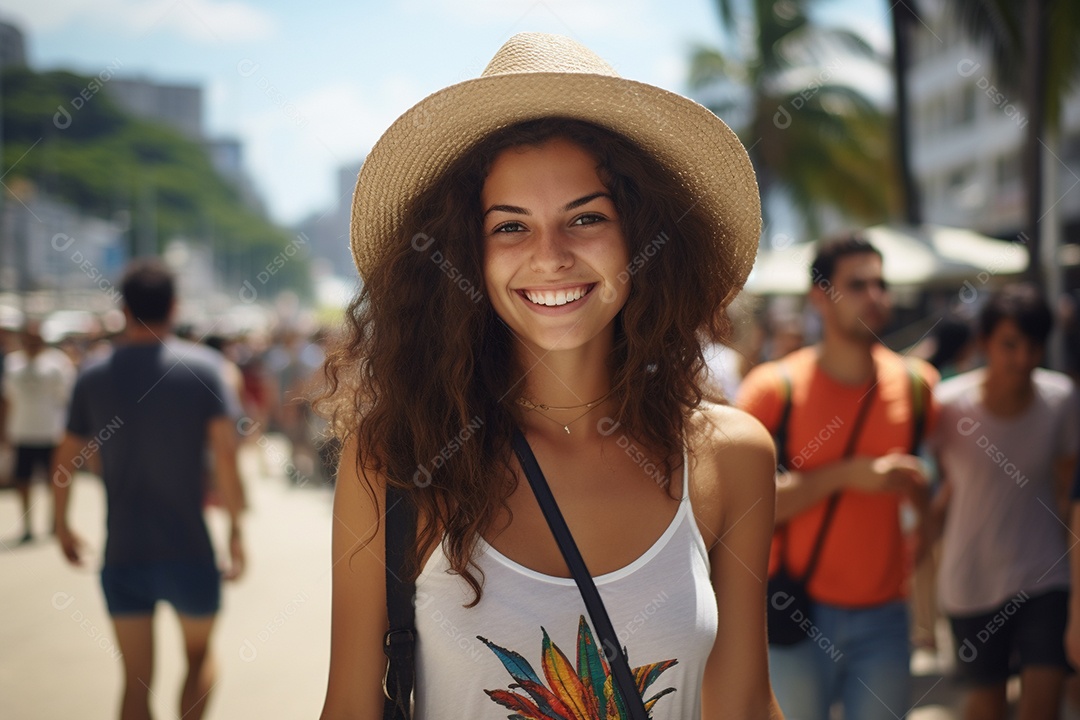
x=192, y=587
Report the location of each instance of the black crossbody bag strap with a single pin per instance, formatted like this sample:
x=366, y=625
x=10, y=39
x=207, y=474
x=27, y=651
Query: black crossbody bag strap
x=623, y=678
x=834, y=499
x=400, y=640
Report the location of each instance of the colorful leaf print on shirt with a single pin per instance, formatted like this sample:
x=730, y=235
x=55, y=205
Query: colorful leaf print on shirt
x=584, y=692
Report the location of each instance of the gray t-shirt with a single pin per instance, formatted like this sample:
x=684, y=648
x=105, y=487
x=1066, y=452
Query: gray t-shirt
x=146, y=408
x=1002, y=532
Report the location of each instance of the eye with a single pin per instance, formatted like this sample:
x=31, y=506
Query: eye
x=588, y=219
x=508, y=227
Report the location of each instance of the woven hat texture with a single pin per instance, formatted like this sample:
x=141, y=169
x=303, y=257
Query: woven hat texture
x=536, y=75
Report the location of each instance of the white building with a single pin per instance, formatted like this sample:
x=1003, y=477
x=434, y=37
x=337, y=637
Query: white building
x=179, y=106
x=968, y=134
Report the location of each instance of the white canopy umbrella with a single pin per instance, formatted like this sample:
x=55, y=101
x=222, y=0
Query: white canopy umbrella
x=924, y=255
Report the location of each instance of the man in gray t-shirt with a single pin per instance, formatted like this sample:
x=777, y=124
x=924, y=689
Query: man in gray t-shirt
x=1006, y=444
x=150, y=411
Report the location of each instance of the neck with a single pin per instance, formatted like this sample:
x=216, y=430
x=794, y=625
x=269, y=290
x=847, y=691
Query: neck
x=564, y=379
x=846, y=360
x=139, y=333
x=1004, y=397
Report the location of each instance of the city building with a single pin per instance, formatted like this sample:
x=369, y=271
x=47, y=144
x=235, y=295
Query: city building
x=968, y=133
x=179, y=106
x=12, y=46
x=328, y=231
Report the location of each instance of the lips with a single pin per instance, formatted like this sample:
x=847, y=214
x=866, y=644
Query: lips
x=556, y=298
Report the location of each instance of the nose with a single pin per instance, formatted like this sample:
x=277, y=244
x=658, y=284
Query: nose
x=550, y=251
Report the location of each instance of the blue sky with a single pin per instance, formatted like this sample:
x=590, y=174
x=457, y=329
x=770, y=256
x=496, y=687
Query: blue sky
x=310, y=86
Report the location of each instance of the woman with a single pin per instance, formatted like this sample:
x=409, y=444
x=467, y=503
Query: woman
x=543, y=247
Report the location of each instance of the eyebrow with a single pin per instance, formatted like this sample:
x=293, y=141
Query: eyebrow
x=513, y=209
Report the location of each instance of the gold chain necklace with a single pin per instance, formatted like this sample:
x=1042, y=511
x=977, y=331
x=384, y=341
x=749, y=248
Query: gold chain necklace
x=541, y=408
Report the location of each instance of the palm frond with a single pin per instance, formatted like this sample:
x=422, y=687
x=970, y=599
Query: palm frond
x=709, y=65
x=582, y=692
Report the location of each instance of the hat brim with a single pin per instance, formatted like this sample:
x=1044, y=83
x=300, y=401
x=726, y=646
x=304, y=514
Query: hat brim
x=687, y=138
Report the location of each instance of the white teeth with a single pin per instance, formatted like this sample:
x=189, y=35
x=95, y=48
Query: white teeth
x=556, y=297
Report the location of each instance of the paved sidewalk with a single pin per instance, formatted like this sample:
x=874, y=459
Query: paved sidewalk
x=59, y=658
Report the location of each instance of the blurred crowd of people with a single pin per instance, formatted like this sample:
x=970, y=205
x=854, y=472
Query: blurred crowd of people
x=950, y=508
x=270, y=375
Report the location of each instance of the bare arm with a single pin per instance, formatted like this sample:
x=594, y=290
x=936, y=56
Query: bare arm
x=736, y=682
x=358, y=601
x=221, y=434
x=1072, y=632
x=1064, y=468
x=798, y=490
x=63, y=473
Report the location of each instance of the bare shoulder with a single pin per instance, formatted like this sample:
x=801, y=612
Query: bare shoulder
x=733, y=465
x=729, y=437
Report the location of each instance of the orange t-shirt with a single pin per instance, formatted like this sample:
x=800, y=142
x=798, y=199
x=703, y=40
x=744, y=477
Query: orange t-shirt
x=863, y=560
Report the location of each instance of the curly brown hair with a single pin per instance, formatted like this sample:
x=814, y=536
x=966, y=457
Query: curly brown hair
x=425, y=376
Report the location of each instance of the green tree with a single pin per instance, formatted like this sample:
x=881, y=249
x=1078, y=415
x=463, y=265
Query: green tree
x=1035, y=53
x=64, y=137
x=776, y=78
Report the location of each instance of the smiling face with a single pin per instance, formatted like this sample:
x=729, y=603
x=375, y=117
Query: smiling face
x=553, y=247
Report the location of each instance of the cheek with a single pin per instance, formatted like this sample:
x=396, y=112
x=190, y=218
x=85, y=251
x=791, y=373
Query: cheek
x=494, y=267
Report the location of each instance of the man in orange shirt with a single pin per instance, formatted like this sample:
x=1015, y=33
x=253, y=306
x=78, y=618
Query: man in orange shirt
x=856, y=651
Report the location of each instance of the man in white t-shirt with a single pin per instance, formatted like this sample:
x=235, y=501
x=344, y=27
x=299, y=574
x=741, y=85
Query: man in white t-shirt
x=1006, y=446
x=37, y=386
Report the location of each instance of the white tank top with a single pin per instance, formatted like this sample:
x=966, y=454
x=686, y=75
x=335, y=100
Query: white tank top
x=527, y=649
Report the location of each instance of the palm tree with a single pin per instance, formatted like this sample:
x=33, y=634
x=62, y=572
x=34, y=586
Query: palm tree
x=813, y=139
x=1035, y=52
x=903, y=16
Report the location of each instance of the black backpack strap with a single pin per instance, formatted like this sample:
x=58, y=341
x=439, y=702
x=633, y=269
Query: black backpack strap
x=400, y=640
x=780, y=434
x=919, y=402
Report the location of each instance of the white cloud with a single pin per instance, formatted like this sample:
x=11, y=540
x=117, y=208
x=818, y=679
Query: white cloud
x=295, y=146
x=199, y=20
x=624, y=19
x=38, y=16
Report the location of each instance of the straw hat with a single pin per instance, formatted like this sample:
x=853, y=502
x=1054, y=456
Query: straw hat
x=535, y=75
